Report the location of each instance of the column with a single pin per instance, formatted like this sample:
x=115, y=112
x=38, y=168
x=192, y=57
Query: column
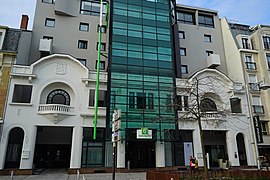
x=232, y=149
x=76, y=147
x=160, y=154
x=121, y=146
x=197, y=147
x=28, y=150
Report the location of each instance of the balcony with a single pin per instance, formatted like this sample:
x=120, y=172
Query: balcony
x=214, y=115
x=254, y=86
x=258, y=109
x=55, y=112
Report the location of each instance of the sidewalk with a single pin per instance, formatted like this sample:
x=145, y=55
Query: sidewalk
x=62, y=175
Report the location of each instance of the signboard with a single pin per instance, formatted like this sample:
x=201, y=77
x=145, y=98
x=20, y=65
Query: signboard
x=116, y=136
x=116, y=115
x=116, y=125
x=144, y=133
x=188, y=151
x=258, y=129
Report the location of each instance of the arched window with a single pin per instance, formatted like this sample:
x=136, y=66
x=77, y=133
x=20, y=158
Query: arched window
x=208, y=105
x=58, y=96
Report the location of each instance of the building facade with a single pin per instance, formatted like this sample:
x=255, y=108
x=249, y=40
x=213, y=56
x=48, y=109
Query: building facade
x=153, y=54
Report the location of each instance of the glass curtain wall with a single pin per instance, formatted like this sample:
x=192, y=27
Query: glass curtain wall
x=142, y=84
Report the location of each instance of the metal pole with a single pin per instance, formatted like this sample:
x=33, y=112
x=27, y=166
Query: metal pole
x=114, y=160
x=98, y=69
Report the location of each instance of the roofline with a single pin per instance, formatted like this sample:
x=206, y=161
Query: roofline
x=196, y=8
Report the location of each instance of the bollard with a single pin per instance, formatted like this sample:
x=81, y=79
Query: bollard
x=11, y=174
x=78, y=174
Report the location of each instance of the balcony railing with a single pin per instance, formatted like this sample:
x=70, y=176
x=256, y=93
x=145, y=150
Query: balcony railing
x=251, y=65
x=55, y=109
x=213, y=115
x=258, y=109
x=254, y=86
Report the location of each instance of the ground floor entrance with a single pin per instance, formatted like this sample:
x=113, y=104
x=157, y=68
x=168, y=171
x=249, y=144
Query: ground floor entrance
x=53, y=147
x=140, y=154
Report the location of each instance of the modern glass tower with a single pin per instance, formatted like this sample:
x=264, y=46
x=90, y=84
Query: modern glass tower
x=142, y=78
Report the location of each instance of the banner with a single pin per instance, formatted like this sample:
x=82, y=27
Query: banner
x=258, y=129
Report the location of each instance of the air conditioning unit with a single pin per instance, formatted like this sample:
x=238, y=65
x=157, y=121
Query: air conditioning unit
x=45, y=45
x=213, y=60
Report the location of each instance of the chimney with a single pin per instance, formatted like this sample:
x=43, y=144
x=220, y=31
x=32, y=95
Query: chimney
x=24, y=22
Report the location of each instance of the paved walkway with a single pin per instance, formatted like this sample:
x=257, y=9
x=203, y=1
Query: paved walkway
x=62, y=175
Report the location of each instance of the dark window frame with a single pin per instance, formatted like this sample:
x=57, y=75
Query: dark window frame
x=82, y=44
x=101, y=99
x=22, y=93
x=84, y=27
x=103, y=28
x=207, y=38
x=203, y=20
x=236, y=106
x=183, y=50
x=186, y=17
x=94, y=7
x=102, y=65
x=82, y=60
x=268, y=60
x=183, y=35
x=184, y=67
x=102, y=46
x=208, y=53
x=48, y=1
x=266, y=42
x=48, y=21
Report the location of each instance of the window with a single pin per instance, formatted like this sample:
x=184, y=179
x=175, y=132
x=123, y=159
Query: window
x=103, y=28
x=207, y=38
x=102, y=46
x=208, y=53
x=249, y=62
x=48, y=1
x=22, y=94
x=93, y=151
x=150, y=101
x=184, y=69
x=182, y=103
x=101, y=98
x=208, y=105
x=91, y=7
x=245, y=43
x=131, y=100
x=206, y=21
x=83, y=61
x=266, y=42
x=182, y=35
x=49, y=22
x=186, y=17
x=169, y=104
x=183, y=52
x=84, y=27
x=257, y=105
x=48, y=37
x=82, y=44
x=58, y=96
x=141, y=101
x=264, y=125
x=268, y=60
x=253, y=83
x=235, y=105
x=102, y=65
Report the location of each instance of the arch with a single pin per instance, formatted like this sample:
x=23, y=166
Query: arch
x=14, y=148
x=58, y=96
x=207, y=105
x=241, y=149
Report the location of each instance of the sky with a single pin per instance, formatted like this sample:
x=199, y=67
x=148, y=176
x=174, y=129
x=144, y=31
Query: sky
x=249, y=12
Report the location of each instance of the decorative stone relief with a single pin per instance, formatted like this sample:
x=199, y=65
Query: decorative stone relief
x=61, y=68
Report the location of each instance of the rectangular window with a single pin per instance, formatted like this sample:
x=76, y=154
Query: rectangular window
x=265, y=129
x=268, y=60
x=49, y=22
x=48, y=1
x=102, y=46
x=141, y=101
x=235, y=105
x=83, y=61
x=102, y=28
x=84, y=27
x=131, y=100
x=150, y=101
x=250, y=64
x=266, y=42
x=257, y=105
x=206, y=21
x=102, y=65
x=183, y=51
x=91, y=7
x=186, y=17
x=207, y=38
x=82, y=44
x=208, y=53
x=101, y=98
x=184, y=69
x=182, y=103
x=22, y=94
x=253, y=83
x=182, y=35
x=245, y=43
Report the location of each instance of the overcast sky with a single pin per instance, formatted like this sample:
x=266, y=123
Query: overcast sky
x=250, y=12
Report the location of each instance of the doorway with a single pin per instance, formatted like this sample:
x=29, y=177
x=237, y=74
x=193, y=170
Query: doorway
x=53, y=147
x=241, y=149
x=14, y=148
x=141, y=154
